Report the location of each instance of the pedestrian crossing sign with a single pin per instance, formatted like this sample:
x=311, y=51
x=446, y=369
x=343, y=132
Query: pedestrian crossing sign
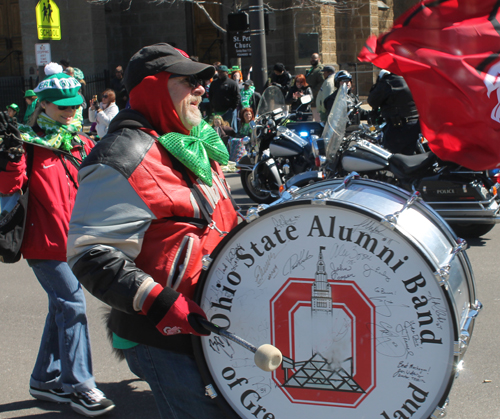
x=48, y=21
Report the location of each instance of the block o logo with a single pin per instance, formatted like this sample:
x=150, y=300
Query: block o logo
x=326, y=332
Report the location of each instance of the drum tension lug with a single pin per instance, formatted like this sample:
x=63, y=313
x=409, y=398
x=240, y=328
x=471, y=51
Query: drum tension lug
x=210, y=391
x=391, y=220
x=443, y=273
x=440, y=412
x=252, y=214
x=206, y=261
x=465, y=330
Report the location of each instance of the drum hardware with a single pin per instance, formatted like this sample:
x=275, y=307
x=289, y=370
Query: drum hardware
x=391, y=220
x=252, y=214
x=344, y=185
x=466, y=329
x=210, y=391
x=440, y=412
x=443, y=273
x=244, y=218
x=213, y=226
x=349, y=178
x=206, y=260
x=262, y=207
x=267, y=357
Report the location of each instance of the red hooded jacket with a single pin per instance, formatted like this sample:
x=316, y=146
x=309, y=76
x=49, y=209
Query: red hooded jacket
x=51, y=200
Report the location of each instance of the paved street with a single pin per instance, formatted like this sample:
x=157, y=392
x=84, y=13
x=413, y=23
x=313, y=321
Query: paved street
x=23, y=306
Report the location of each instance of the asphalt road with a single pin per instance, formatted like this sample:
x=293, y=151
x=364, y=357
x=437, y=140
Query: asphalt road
x=23, y=306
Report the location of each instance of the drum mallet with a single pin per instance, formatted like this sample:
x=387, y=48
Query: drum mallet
x=267, y=357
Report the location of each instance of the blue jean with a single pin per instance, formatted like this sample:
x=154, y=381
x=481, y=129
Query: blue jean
x=64, y=358
x=175, y=382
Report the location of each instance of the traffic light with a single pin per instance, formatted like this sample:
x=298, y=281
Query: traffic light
x=237, y=22
x=269, y=21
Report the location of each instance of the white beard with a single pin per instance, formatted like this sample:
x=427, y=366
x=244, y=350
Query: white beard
x=193, y=116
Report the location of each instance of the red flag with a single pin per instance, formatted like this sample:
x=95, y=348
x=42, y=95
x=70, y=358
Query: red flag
x=448, y=51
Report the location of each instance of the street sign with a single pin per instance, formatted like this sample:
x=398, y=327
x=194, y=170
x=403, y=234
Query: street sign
x=42, y=52
x=239, y=44
x=48, y=20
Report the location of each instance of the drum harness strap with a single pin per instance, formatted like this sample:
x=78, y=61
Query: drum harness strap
x=205, y=207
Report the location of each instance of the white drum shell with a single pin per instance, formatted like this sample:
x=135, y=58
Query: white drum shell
x=418, y=227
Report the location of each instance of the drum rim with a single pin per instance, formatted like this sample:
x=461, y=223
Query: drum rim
x=197, y=342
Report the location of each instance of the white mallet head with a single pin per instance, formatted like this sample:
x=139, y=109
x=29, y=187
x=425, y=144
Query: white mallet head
x=268, y=357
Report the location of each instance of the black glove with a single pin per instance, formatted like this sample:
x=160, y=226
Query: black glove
x=11, y=145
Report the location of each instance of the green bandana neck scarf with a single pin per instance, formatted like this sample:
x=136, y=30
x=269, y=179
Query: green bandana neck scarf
x=196, y=149
x=57, y=136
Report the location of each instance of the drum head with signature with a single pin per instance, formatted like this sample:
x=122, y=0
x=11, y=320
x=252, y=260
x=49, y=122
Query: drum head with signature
x=364, y=328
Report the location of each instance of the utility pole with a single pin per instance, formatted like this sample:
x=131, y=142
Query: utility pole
x=258, y=41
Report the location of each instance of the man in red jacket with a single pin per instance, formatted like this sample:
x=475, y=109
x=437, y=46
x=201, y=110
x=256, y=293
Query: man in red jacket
x=158, y=203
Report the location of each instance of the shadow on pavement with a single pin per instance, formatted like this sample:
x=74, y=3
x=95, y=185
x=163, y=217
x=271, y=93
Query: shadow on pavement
x=478, y=241
x=131, y=403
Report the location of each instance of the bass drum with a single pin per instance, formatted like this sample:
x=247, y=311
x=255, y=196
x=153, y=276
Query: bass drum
x=366, y=291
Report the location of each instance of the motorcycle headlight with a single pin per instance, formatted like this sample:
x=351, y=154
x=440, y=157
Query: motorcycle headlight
x=303, y=134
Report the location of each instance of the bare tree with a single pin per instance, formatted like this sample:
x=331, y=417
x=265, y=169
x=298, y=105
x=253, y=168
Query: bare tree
x=342, y=6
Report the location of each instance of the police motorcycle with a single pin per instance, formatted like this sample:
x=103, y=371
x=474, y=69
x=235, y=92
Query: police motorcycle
x=275, y=152
x=466, y=199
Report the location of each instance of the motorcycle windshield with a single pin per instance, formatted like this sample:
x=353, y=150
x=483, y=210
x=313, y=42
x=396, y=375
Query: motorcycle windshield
x=272, y=100
x=335, y=126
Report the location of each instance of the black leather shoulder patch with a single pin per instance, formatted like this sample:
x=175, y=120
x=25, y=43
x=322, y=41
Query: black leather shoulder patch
x=123, y=150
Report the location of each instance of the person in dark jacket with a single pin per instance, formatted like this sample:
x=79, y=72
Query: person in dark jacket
x=159, y=204
x=280, y=78
x=356, y=113
x=119, y=88
x=225, y=96
x=54, y=147
x=392, y=95
x=315, y=79
x=300, y=88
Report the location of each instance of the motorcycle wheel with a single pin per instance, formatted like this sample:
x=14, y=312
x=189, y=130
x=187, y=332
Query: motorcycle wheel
x=254, y=194
x=471, y=230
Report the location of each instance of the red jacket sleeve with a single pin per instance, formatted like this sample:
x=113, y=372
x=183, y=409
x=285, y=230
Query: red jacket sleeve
x=13, y=177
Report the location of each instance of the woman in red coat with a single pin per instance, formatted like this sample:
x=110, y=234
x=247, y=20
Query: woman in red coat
x=55, y=149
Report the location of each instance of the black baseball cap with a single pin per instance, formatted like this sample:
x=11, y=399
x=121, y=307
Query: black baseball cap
x=156, y=58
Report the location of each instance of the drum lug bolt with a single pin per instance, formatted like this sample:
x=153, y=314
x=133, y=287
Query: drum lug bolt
x=391, y=220
x=210, y=391
x=466, y=328
x=252, y=214
x=206, y=262
x=442, y=275
x=443, y=272
x=440, y=412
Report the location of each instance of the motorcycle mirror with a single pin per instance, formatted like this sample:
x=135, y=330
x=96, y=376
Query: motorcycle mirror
x=252, y=124
x=305, y=99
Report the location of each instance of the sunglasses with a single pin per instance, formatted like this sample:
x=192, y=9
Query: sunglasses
x=104, y=96
x=192, y=80
x=63, y=108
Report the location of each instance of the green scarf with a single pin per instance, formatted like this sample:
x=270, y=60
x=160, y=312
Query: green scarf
x=57, y=135
x=196, y=149
x=246, y=95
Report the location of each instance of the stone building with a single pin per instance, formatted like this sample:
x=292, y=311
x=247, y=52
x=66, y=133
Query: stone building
x=100, y=37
